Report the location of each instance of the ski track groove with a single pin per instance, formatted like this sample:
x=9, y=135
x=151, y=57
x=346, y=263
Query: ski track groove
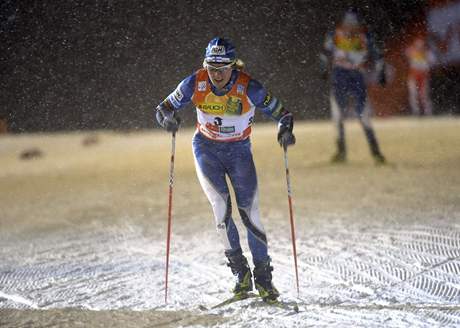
x=107, y=268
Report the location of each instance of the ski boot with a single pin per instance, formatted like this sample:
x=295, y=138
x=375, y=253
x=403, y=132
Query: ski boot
x=339, y=158
x=341, y=155
x=263, y=281
x=240, y=269
x=379, y=159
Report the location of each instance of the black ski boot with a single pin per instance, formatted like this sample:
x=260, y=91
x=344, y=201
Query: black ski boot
x=263, y=282
x=379, y=159
x=339, y=158
x=240, y=269
x=341, y=155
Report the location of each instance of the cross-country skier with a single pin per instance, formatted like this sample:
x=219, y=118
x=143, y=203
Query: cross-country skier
x=421, y=59
x=351, y=54
x=225, y=98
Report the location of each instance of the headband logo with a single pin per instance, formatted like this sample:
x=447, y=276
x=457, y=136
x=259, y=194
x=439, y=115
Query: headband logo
x=217, y=50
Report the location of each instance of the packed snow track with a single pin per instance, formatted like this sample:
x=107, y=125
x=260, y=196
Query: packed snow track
x=83, y=233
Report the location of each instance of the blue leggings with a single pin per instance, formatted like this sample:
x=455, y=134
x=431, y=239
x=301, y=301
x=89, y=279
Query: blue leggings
x=348, y=84
x=214, y=161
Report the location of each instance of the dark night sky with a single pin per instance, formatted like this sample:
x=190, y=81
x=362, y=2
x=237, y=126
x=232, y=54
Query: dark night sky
x=106, y=64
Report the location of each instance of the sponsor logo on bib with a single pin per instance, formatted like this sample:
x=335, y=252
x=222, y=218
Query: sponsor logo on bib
x=234, y=106
x=212, y=108
x=201, y=85
x=227, y=129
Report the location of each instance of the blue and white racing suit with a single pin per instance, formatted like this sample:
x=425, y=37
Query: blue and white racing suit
x=222, y=148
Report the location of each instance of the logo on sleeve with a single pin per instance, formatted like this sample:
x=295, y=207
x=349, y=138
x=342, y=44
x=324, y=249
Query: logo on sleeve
x=267, y=99
x=178, y=95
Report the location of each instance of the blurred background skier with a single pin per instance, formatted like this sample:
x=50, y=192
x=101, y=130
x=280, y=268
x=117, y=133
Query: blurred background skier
x=225, y=99
x=349, y=56
x=420, y=60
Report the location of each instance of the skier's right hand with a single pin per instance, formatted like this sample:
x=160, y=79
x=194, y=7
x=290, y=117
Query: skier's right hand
x=168, y=119
x=324, y=66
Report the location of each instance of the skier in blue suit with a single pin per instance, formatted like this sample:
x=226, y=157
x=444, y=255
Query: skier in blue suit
x=226, y=98
x=352, y=54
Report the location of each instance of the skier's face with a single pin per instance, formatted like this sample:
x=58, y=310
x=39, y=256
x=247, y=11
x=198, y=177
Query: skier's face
x=219, y=74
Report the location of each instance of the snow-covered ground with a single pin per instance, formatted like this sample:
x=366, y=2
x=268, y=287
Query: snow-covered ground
x=82, y=238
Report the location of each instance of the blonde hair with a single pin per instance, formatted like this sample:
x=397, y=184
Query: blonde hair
x=239, y=64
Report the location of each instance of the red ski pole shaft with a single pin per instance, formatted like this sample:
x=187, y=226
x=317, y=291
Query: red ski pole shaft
x=291, y=216
x=168, y=236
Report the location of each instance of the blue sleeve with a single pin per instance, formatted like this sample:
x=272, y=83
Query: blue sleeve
x=261, y=98
x=183, y=93
x=375, y=53
x=329, y=45
x=326, y=52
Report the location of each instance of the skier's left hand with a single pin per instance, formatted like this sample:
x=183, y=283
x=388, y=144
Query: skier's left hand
x=382, y=78
x=381, y=74
x=285, y=135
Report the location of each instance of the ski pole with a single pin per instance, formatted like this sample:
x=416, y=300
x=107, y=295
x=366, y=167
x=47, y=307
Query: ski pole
x=291, y=215
x=168, y=236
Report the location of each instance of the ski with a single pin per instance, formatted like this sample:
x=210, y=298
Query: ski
x=233, y=299
x=290, y=306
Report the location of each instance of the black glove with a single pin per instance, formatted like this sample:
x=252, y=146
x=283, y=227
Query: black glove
x=169, y=120
x=382, y=78
x=285, y=135
x=381, y=75
x=324, y=65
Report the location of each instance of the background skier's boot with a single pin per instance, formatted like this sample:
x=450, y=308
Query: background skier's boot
x=374, y=147
x=340, y=156
x=263, y=281
x=240, y=269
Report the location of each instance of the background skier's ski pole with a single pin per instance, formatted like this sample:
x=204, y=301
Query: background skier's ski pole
x=291, y=215
x=168, y=237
